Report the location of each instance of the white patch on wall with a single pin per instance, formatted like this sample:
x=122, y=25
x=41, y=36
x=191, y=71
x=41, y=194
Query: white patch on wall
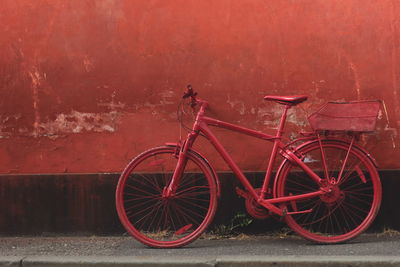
x=7, y=122
x=270, y=115
x=297, y=117
x=77, y=122
x=167, y=97
x=88, y=63
x=236, y=105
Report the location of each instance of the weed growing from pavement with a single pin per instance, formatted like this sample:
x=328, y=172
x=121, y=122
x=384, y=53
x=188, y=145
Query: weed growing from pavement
x=239, y=221
x=282, y=233
x=389, y=232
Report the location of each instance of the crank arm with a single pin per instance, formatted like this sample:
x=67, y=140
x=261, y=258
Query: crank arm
x=299, y=212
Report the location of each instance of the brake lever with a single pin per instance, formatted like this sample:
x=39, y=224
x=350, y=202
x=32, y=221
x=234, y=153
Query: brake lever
x=189, y=92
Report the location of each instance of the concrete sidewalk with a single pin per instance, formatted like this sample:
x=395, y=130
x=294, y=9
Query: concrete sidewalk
x=300, y=261
x=277, y=250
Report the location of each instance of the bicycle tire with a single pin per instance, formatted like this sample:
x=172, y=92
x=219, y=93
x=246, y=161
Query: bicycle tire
x=344, y=213
x=159, y=222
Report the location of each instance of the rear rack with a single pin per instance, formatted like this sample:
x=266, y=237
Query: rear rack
x=354, y=116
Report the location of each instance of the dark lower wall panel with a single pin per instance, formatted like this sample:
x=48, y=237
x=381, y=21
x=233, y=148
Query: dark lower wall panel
x=33, y=204
x=84, y=204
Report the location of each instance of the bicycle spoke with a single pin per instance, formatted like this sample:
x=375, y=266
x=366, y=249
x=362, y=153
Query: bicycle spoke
x=152, y=182
x=140, y=190
x=189, y=211
x=147, y=215
x=181, y=214
x=191, y=203
x=346, y=210
x=131, y=198
x=141, y=204
x=180, y=192
x=155, y=218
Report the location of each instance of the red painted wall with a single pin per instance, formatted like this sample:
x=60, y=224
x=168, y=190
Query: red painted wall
x=87, y=84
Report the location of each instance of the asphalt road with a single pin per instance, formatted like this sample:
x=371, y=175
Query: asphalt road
x=257, y=249
x=367, y=244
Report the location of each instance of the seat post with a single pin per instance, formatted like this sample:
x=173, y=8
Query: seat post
x=283, y=120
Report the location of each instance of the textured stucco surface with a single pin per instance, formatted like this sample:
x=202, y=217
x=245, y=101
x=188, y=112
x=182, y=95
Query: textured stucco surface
x=86, y=84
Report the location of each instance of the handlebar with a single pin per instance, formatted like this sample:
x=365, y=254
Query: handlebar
x=194, y=99
x=189, y=92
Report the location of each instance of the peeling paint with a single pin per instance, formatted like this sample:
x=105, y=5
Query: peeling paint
x=318, y=85
x=393, y=131
x=296, y=118
x=271, y=115
x=354, y=71
x=166, y=97
x=113, y=105
x=36, y=79
x=78, y=122
x=237, y=105
x=268, y=116
x=9, y=125
x=356, y=79
x=88, y=64
x=167, y=93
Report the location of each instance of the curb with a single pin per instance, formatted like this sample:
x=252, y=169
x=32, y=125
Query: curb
x=309, y=261
x=10, y=261
x=221, y=261
x=119, y=261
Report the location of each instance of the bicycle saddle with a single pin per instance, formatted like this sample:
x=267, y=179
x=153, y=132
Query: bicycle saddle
x=287, y=100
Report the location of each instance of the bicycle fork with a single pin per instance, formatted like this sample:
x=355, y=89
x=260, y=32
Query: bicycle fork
x=182, y=150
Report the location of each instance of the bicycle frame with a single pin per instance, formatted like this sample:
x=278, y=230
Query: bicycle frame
x=168, y=195
x=201, y=125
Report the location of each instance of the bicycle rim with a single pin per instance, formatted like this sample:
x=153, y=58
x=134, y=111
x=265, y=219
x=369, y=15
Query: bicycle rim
x=345, y=212
x=162, y=222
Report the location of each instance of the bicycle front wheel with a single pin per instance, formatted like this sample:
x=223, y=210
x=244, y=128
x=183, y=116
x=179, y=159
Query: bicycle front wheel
x=348, y=209
x=159, y=221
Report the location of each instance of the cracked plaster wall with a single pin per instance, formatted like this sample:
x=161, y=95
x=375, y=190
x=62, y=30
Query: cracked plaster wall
x=85, y=85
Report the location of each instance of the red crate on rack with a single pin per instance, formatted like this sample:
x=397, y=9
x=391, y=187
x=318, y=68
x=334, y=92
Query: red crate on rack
x=354, y=116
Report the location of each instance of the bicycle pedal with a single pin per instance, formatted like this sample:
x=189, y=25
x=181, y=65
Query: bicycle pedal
x=299, y=212
x=183, y=229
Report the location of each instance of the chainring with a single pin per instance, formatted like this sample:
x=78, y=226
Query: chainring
x=254, y=209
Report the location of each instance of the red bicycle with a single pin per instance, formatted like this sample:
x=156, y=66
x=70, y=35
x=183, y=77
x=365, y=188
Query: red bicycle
x=327, y=188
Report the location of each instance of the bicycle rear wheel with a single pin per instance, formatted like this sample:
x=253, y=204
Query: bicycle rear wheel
x=348, y=209
x=158, y=221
